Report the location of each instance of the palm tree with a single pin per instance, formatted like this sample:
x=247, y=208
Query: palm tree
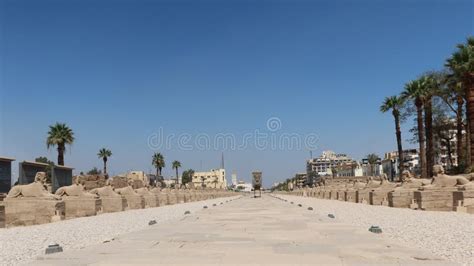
x=395, y=103
x=461, y=63
x=432, y=82
x=176, y=165
x=158, y=162
x=104, y=154
x=372, y=159
x=415, y=90
x=452, y=93
x=60, y=135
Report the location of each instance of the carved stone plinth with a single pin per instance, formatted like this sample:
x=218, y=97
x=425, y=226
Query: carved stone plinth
x=162, y=199
x=363, y=195
x=193, y=196
x=181, y=197
x=464, y=201
x=379, y=197
x=350, y=195
x=150, y=200
x=341, y=195
x=401, y=198
x=134, y=202
x=435, y=199
x=172, y=198
x=76, y=207
x=333, y=194
x=113, y=204
x=2, y=216
x=31, y=211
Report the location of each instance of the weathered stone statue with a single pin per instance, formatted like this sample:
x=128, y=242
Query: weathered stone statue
x=379, y=195
x=36, y=189
x=150, y=198
x=74, y=190
x=79, y=202
x=134, y=200
x=32, y=204
x=438, y=196
x=408, y=181
x=111, y=201
x=402, y=196
x=440, y=179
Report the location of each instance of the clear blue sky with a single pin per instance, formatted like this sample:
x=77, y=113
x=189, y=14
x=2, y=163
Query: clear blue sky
x=118, y=71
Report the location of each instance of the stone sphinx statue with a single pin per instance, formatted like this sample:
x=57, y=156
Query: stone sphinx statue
x=34, y=190
x=74, y=190
x=105, y=191
x=371, y=183
x=358, y=184
x=440, y=179
x=409, y=181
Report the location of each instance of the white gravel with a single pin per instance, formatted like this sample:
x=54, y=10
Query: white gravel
x=20, y=245
x=447, y=234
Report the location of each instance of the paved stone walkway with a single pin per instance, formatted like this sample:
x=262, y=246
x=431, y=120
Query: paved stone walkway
x=262, y=231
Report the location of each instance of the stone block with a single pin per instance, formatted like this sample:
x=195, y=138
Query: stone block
x=362, y=196
x=76, y=207
x=23, y=212
x=435, y=199
x=350, y=196
x=379, y=197
x=151, y=200
x=162, y=199
x=401, y=198
x=463, y=201
x=113, y=204
x=134, y=202
x=2, y=216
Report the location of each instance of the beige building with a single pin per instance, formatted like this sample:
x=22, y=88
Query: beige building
x=215, y=178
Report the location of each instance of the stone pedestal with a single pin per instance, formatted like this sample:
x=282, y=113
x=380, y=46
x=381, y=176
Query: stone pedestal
x=162, y=198
x=113, y=204
x=150, y=200
x=350, y=195
x=76, y=207
x=181, y=197
x=341, y=195
x=464, y=201
x=379, y=196
x=401, y=198
x=172, y=198
x=2, y=216
x=22, y=211
x=134, y=202
x=438, y=199
x=363, y=195
x=333, y=194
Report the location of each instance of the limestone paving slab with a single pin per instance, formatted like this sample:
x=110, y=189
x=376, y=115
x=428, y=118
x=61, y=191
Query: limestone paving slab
x=262, y=231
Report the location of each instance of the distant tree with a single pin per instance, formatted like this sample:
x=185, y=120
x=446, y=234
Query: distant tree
x=372, y=159
x=104, y=154
x=94, y=171
x=187, y=176
x=158, y=162
x=176, y=165
x=461, y=64
x=395, y=103
x=60, y=135
x=415, y=90
x=49, y=169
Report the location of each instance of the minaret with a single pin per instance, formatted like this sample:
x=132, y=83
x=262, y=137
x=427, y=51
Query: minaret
x=222, y=161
